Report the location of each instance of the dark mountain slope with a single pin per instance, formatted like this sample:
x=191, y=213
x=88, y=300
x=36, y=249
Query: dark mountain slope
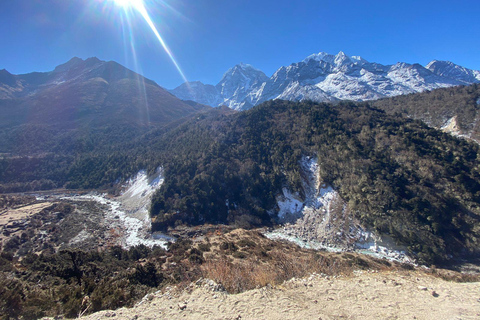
x=79, y=98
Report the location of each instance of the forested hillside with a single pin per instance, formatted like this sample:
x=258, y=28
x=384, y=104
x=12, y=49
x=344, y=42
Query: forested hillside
x=436, y=107
x=400, y=177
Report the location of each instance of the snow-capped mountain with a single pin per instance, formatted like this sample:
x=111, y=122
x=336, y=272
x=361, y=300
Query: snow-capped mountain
x=234, y=90
x=237, y=84
x=199, y=92
x=452, y=70
x=325, y=77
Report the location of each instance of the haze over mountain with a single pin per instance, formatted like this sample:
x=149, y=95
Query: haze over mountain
x=324, y=77
x=81, y=98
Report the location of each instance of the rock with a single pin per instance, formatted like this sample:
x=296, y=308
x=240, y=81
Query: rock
x=213, y=286
x=110, y=314
x=182, y=306
x=422, y=288
x=435, y=294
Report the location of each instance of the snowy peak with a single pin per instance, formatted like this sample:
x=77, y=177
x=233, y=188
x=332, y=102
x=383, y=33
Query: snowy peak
x=325, y=77
x=199, y=92
x=358, y=59
x=341, y=58
x=321, y=56
x=243, y=68
x=236, y=85
x=246, y=67
x=451, y=70
x=241, y=74
x=336, y=60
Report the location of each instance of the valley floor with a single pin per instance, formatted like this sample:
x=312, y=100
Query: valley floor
x=364, y=295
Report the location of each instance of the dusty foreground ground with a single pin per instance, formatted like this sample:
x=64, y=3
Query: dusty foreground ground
x=365, y=295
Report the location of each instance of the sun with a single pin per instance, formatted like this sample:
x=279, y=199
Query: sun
x=128, y=3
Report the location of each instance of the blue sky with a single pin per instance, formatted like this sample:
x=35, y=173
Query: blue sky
x=207, y=37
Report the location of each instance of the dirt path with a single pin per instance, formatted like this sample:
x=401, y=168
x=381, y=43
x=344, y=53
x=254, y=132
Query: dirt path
x=13, y=219
x=9, y=215
x=363, y=296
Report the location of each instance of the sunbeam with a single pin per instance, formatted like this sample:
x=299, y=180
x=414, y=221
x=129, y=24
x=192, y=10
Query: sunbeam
x=129, y=38
x=139, y=6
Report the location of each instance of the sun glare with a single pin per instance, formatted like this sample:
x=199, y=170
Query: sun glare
x=128, y=3
x=139, y=6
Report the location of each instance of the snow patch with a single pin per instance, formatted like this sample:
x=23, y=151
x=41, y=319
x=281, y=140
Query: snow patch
x=316, y=245
x=451, y=126
x=289, y=204
x=138, y=192
x=79, y=238
x=128, y=213
x=382, y=247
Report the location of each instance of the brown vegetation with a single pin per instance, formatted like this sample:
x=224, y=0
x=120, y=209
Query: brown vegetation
x=242, y=260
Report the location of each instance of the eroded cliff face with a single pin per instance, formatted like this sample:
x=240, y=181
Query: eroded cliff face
x=322, y=215
x=322, y=219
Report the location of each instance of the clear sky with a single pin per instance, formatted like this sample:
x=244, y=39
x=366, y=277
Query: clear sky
x=207, y=37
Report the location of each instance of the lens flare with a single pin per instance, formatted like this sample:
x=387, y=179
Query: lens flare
x=139, y=6
x=124, y=3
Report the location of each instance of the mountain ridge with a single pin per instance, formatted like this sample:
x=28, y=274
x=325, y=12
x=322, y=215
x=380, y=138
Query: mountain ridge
x=325, y=77
x=89, y=90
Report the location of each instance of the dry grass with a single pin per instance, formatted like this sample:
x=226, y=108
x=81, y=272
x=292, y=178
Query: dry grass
x=268, y=262
x=454, y=276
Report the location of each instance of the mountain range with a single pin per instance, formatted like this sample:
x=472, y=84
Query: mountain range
x=346, y=176
x=324, y=77
x=337, y=171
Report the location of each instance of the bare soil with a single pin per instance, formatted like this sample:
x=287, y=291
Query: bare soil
x=363, y=295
